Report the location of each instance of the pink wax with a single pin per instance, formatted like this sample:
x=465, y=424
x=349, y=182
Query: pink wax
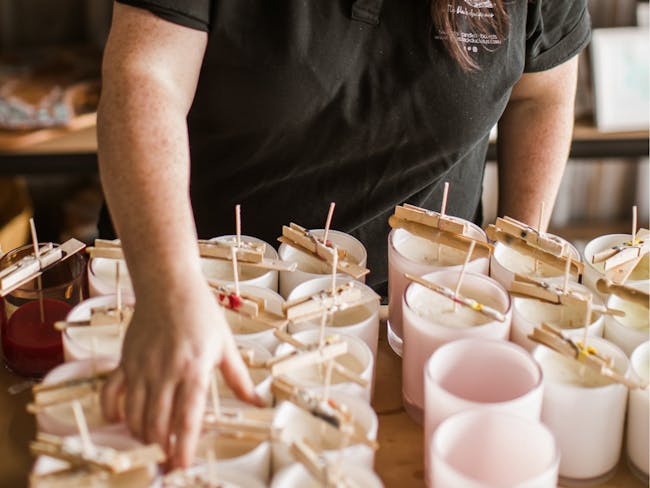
x=32, y=346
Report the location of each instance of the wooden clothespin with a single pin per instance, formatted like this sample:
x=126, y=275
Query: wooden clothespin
x=457, y=298
x=553, y=338
x=338, y=367
x=71, y=450
x=247, y=305
x=436, y=227
x=249, y=254
x=32, y=266
x=329, y=474
x=47, y=395
x=625, y=292
x=234, y=423
x=528, y=241
x=109, y=315
x=619, y=261
x=310, y=307
x=301, y=359
x=301, y=239
x=527, y=287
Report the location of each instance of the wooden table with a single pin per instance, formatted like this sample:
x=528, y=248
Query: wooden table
x=399, y=460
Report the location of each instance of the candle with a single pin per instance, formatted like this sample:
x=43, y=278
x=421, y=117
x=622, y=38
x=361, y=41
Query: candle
x=530, y=313
x=415, y=255
x=505, y=262
x=430, y=321
x=98, y=340
x=297, y=476
x=243, y=455
x=585, y=411
x=310, y=267
x=358, y=359
x=294, y=423
x=59, y=419
x=250, y=330
x=361, y=321
x=471, y=374
x=220, y=271
x=487, y=448
x=102, y=280
x=30, y=344
x=630, y=331
x=639, y=277
x=120, y=441
x=638, y=414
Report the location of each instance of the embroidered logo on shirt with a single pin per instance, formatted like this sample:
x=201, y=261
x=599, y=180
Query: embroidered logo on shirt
x=479, y=3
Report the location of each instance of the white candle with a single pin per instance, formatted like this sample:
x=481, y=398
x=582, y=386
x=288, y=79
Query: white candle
x=297, y=476
x=101, y=277
x=487, y=448
x=294, y=423
x=505, y=262
x=99, y=340
x=415, y=255
x=640, y=276
x=59, y=419
x=226, y=477
x=221, y=271
x=120, y=441
x=638, y=414
x=309, y=267
x=361, y=321
x=358, y=359
x=630, y=331
x=585, y=412
x=529, y=313
x=243, y=455
x=251, y=330
x=430, y=321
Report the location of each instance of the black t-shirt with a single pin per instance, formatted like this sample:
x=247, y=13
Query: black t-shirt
x=301, y=103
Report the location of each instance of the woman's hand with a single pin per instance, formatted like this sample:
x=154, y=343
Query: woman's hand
x=170, y=350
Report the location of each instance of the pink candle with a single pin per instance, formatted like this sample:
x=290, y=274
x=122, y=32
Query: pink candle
x=430, y=322
x=411, y=254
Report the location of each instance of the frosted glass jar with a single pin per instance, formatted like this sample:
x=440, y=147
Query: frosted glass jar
x=529, y=313
x=640, y=276
x=491, y=449
x=585, y=412
x=294, y=423
x=297, y=476
x=358, y=359
x=638, y=414
x=361, y=321
x=78, y=341
x=310, y=267
x=415, y=255
x=630, y=331
x=430, y=322
x=506, y=262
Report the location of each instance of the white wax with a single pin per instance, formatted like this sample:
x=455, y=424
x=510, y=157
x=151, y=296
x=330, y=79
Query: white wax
x=522, y=264
x=224, y=447
x=316, y=373
x=640, y=272
x=92, y=410
x=560, y=316
x=567, y=371
x=107, y=339
x=636, y=316
x=424, y=251
x=101, y=278
x=438, y=309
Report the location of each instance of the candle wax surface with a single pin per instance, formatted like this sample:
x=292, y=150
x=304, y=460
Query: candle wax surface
x=636, y=316
x=108, y=338
x=559, y=316
x=425, y=251
x=104, y=270
x=316, y=373
x=224, y=447
x=567, y=371
x=518, y=263
x=438, y=309
x=32, y=346
x=91, y=407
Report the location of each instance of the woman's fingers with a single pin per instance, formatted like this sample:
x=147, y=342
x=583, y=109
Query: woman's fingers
x=189, y=406
x=157, y=415
x=236, y=375
x=136, y=395
x=111, y=395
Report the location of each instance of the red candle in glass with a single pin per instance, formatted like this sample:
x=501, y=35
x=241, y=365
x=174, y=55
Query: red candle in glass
x=31, y=345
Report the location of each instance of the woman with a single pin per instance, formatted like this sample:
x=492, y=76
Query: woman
x=286, y=106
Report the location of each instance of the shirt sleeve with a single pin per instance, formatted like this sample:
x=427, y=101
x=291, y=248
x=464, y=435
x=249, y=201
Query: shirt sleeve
x=557, y=30
x=194, y=14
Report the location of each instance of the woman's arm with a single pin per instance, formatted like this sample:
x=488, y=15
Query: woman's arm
x=178, y=333
x=534, y=139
